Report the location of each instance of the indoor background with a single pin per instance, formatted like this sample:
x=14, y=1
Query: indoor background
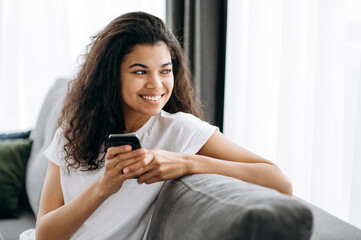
x=281, y=78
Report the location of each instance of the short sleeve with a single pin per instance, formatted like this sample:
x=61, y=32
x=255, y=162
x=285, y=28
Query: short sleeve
x=55, y=152
x=197, y=133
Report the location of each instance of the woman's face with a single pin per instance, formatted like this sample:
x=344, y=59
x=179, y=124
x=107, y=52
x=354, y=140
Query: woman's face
x=146, y=80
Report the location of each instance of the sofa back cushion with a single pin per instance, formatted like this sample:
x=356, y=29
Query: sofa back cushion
x=42, y=136
x=211, y=206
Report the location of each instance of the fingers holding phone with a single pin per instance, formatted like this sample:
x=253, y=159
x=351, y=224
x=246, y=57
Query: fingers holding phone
x=141, y=164
x=163, y=166
x=124, y=155
x=125, y=149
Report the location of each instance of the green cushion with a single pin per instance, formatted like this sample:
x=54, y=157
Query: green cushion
x=14, y=155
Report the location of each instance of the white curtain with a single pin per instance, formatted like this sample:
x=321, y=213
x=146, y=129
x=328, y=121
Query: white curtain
x=40, y=41
x=293, y=94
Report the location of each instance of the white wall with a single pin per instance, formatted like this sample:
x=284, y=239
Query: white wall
x=40, y=41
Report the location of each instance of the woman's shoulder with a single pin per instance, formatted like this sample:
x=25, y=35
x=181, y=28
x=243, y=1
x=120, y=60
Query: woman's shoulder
x=181, y=121
x=180, y=132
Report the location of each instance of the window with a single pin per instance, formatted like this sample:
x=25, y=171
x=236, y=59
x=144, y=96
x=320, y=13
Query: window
x=293, y=94
x=41, y=41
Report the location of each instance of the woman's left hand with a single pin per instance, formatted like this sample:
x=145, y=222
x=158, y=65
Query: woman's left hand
x=163, y=165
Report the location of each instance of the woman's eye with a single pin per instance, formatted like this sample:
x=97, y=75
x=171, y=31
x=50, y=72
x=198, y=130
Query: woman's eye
x=140, y=72
x=167, y=71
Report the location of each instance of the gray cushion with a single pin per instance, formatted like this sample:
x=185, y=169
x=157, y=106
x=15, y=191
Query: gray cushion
x=15, y=135
x=42, y=136
x=329, y=227
x=11, y=228
x=218, y=207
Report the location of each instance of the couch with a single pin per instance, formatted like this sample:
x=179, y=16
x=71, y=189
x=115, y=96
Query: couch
x=198, y=206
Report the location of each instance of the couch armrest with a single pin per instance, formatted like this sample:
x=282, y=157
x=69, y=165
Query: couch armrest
x=329, y=227
x=209, y=206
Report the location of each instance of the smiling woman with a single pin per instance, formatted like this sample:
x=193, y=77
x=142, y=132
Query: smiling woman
x=136, y=79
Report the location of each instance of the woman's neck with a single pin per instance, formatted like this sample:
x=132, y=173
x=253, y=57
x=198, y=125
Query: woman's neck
x=133, y=123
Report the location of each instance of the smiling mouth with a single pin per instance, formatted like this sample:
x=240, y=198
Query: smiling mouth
x=154, y=98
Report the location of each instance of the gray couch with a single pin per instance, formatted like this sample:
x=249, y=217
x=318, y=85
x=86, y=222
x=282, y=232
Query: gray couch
x=193, y=207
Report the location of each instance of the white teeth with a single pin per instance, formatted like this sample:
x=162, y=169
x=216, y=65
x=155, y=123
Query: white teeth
x=152, y=98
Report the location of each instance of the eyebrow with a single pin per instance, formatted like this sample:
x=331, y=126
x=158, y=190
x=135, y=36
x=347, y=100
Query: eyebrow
x=145, y=66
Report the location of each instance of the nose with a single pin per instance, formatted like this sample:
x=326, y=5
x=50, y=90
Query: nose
x=154, y=81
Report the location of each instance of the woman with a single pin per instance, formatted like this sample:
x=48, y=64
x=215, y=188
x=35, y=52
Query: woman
x=135, y=79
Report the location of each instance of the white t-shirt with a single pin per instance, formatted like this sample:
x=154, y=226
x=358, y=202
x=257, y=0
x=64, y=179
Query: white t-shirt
x=126, y=214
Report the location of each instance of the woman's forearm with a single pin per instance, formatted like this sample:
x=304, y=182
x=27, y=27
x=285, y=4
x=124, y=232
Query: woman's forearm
x=64, y=221
x=264, y=174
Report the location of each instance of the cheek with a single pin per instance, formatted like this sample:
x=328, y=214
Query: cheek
x=130, y=88
x=170, y=85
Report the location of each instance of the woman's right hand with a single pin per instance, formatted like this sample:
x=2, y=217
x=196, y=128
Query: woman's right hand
x=116, y=159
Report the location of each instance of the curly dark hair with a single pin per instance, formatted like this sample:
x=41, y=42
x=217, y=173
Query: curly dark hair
x=92, y=108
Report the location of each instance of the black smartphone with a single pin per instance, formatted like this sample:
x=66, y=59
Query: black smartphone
x=124, y=139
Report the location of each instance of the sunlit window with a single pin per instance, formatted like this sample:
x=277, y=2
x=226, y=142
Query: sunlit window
x=41, y=41
x=293, y=94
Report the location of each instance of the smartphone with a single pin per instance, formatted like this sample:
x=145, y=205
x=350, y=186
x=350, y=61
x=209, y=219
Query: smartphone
x=124, y=139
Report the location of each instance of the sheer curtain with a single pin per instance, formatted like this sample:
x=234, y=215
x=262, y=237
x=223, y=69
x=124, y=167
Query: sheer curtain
x=293, y=94
x=41, y=40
